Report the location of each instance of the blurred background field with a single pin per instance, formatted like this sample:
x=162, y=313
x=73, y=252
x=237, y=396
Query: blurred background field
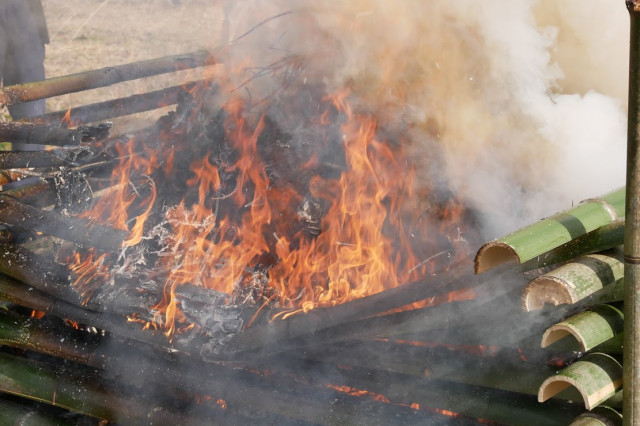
x=92, y=34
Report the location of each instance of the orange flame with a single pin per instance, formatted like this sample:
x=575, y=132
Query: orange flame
x=363, y=247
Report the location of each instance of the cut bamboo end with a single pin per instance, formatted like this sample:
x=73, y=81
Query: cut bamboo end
x=600, y=416
x=575, y=281
x=492, y=254
x=530, y=242
x=589, y=328
x=552, y=290
x=596, y=376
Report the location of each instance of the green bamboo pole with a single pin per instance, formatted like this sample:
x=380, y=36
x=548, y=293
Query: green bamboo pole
x=590, y=328
x=574, y=281
x=599, y=416
x=597, y=377
x=631, y=353
x=603, y=238
x=534, y=240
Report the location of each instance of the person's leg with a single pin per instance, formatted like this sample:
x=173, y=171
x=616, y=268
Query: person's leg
x=24, y=58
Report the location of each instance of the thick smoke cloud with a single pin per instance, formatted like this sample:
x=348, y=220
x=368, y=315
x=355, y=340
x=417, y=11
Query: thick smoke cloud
x=518, y=106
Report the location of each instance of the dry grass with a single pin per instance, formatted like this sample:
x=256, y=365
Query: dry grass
x=91, y=34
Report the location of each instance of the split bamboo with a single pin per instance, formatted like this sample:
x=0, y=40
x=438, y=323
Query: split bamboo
x=18, y=93
x=534, y=240
x=19, y=412
x=597, y=377
x=575, y=281
x=599, y=416
x=590, y=328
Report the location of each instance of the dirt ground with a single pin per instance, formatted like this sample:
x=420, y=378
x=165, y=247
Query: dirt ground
x=91, y=34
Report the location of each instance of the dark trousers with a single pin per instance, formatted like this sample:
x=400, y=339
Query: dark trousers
x=21, y=53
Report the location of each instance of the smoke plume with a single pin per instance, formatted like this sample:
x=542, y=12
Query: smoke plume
x=518, y=106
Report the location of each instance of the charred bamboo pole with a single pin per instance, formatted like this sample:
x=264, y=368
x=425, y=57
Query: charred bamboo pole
x=82, y=394
x=597, y=377
x=24, y=133
x=575, y=281
x=590, y=328
x=35, y=192
x=632, y=230
x=83, y=232
x=476, y=402
x=115, y=108
x=103, y=77
x=534, y=240
x=54, y=158
x=235, y=385
x=17, y=411
x=475, y=365
x=277, y=332
x=18, y=293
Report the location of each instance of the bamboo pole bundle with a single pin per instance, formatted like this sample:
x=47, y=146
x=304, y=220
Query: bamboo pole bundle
x=18, y=93
x=597, y=377
x=590, y=328
x=476, y=402
x=576, y=280
x=294, y=331
x=116, y=107
x=534, y=240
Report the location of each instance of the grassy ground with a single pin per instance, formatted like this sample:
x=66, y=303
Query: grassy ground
x=90, y=34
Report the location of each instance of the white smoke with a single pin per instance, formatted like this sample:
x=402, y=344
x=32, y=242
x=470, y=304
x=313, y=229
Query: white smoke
x=518, y=105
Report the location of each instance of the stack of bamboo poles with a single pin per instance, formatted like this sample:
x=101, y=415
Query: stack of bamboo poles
x=363, y=361
x=589, y=284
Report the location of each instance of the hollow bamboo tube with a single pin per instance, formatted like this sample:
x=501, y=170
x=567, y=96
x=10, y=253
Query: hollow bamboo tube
x=590, y=328
x=102, y=77
x=574, y=281
x=597, y=377
x=599, y=416
x=534, y=240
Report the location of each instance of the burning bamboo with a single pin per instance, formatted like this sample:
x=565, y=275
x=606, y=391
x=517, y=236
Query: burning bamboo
x=18, y=93
x=590, y=328
x=116, y=107
x=597, y=377
x=83, y=232
x=539, y=238
x=276, y=333
x=575, y=281
x=23, y=133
